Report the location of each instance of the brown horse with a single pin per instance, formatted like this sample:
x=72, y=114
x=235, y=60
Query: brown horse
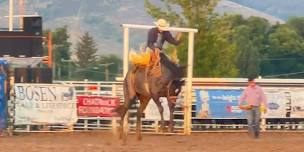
x=142, y=85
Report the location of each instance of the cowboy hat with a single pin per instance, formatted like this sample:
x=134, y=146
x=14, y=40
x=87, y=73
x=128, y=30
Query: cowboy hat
x=162, y=24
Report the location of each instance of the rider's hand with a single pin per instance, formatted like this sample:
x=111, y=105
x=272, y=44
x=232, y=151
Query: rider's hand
x=265, y=110
x=179, y=36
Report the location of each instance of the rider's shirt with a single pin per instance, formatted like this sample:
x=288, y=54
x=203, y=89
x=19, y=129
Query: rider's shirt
x=157, y=39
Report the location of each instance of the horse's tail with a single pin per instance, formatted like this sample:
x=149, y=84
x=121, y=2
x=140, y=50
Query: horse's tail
x=129, y=93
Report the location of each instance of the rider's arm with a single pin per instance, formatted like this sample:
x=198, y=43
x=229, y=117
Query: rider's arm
x=169, y=38
x=151, y=39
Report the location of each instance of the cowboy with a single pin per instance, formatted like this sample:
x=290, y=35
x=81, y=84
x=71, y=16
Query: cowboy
x=255, y=97
x=157, y=37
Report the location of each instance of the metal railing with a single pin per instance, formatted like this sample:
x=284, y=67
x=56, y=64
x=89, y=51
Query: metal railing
x=152, y=126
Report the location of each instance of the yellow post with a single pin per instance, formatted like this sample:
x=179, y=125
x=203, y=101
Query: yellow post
x=10, y=17
x=188, y=101
x=126, y=51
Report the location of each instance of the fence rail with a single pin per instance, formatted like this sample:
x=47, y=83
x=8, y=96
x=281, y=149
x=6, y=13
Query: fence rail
x=152, y=125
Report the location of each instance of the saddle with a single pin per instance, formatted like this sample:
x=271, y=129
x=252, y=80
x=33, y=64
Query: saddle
x=155, y=64
x=150, y=60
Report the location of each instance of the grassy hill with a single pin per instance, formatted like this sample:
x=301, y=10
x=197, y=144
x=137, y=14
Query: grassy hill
x=102, y=18
x=279, y=8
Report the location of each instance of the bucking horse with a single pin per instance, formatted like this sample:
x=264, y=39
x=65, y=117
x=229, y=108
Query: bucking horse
x=142, y=84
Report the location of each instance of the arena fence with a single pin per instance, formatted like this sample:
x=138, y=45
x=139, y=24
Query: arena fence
x=199, y=122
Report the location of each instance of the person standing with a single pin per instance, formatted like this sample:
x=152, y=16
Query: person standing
x=255, y=98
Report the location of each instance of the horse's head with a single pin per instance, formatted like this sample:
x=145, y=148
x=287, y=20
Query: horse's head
x=176, y=71
x=175, y=89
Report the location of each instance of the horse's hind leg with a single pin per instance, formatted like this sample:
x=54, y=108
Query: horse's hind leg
x=129, y=97
x=122, y=121
x=123, y=112
x=143, y=104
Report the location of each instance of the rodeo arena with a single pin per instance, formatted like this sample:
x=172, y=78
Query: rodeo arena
x=41, y=114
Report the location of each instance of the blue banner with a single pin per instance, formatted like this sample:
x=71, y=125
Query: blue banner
x=220, y=103
x=3, y=104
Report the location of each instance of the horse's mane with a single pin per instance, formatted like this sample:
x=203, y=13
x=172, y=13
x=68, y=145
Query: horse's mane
x=177, y=71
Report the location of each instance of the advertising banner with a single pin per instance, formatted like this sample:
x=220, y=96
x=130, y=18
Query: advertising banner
x=297, y=104
x=276, y=104
x=223, y=103
x=45, y=104
x=97, y=106
x=220, y=103
x=3, y=104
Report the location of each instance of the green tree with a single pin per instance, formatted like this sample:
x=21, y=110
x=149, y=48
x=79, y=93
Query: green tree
x=111, y=66
x=214, y=52
x=248, y=56
x=86, y=51
x=297, y=24
x=86, y=57
x=285, y=52
x=61, y=50
x=250, y=38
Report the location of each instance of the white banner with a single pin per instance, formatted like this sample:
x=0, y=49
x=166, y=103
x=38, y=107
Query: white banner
x=297, y=104
x=276, y=104
x=45, y=103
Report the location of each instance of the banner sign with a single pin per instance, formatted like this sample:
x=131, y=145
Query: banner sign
x=223, y=103
x=276, y=104
x=97, y=106
x=3, y=104
x=45, y=103
x=297, y=104
x=218, y=103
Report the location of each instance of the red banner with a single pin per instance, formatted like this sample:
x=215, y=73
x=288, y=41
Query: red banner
x=97, y=106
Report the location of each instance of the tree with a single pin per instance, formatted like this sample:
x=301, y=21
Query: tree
x=86, y=56
x=285, y=52
x=86, y=51
x=296, y=23
x=250, y=38
x=61, y=50
x=248, y=56
x=214, y=52
x=111, y=65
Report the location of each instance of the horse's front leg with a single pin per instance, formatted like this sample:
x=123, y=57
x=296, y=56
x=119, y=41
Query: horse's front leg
x=143, y=104
x=171, y=122
x=161, y=112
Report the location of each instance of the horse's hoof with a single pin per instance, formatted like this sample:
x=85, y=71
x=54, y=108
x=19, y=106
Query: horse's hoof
x=120, y=136
x=124, y=142
x=162, y=130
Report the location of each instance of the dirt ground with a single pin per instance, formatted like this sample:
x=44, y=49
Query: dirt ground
x=105, y=142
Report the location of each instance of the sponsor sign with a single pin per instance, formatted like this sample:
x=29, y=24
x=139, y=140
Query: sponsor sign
x=219, y=103
x=3, y=104
x=45, y=103
x=97, y=106
x=276, y=103
x=297, y=104
x=223, y=103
